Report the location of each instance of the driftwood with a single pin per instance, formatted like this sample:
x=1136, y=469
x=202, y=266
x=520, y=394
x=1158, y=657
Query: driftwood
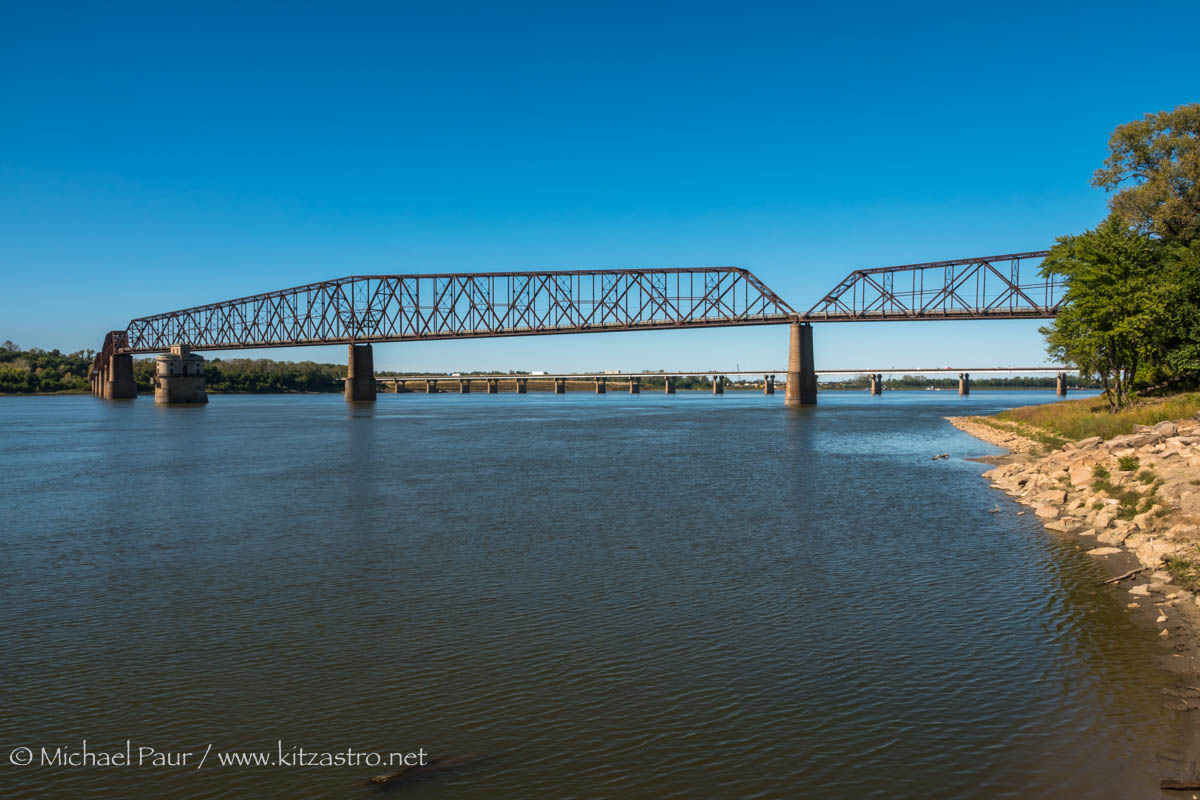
x=1129, y=574
x=1171, y=783
x=382, y=779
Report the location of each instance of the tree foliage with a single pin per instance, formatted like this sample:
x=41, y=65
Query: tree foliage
x=1130, y=309
x=1154, y=168
x=36, y=371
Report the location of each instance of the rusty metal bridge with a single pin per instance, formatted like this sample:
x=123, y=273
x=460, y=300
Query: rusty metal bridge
x=366, y=309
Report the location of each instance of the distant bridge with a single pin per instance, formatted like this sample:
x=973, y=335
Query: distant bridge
x=362, y=310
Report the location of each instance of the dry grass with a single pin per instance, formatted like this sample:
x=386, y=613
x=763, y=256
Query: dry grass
x=1079, y=419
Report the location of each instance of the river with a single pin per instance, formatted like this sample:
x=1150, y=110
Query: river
x=575, y=596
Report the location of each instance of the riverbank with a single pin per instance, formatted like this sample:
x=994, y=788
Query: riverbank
x=1132, y=501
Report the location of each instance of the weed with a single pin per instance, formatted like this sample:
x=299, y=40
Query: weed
x=1128, y=463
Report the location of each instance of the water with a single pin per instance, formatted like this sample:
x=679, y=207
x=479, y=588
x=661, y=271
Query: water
x=581, y=596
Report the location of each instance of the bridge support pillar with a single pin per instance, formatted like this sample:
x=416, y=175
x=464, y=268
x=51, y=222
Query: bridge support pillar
x=876, y=384
x=118, y=382
x=635, y=385
x=431, y=387
x=802, y=376
x=1060, y=385
x=464, y=386
x=521, y=385
x=601, y=387
x=964, y=383
x=768, y=384
x=179, y=377
x=560, y=385
x=718, y=382
x=669, y=384
x=493, y=385
x=360, y=374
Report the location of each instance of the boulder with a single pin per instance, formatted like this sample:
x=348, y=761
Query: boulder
x=1103, y=519
x=1166, y=429
x=1064, y=525
x=1057, y=496
x=1081, y=475
x=1103, y=551
x=1047, y=512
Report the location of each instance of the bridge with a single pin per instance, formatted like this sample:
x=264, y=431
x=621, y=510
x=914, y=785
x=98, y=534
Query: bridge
x=360, y=311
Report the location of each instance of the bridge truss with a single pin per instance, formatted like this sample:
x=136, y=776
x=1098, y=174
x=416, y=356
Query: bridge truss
x=991, y=287
x=396, y=308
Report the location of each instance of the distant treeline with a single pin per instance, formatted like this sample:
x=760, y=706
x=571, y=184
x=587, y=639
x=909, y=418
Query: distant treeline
x=257, y=375
x=37, y=371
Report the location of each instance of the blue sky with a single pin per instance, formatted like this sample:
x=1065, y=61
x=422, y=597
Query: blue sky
x=159, y=156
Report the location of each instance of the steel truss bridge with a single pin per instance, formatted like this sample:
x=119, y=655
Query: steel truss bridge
x=399, y=308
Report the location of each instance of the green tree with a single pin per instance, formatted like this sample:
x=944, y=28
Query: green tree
x=1154, y=168
x=1112, y=319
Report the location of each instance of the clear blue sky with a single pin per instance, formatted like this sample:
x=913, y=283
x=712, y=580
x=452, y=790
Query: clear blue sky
x=160, y=156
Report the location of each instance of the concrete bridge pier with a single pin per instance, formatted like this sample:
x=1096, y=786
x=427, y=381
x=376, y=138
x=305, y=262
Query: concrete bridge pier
x=802, y=376
x=768, y=384
x=635, y=385
x=718, y=382
x=601, y=388
x=464, y=386
x=431, y=387
x=521, y=385
x=1060, y=386
x=560, y=385
x=669, y=385
x=964, y=383
x=117, y=381
x=493, y=385
x=876, y=384
x=360, y=374
x=179, y=378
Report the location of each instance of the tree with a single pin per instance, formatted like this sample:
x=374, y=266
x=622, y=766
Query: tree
x=1159, y=156
x=1111, y=321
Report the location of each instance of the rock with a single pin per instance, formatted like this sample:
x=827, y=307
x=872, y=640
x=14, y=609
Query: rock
x=1158, y=588
x=1080, y=475
x=1103, y=519
x=1046, y=512
x=1163, y=632
x=1140, y=590
x=1084, y=444
x=1056, y=496
x=1103, y=551
x=1166, y=429
x=1144, y=521
x=1065, y=525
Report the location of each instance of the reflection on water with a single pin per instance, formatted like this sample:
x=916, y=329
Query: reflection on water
x=614, y=596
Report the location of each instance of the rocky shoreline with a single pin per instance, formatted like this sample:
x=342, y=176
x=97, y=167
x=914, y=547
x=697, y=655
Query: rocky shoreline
x=1134, y=502
x=1137, y=494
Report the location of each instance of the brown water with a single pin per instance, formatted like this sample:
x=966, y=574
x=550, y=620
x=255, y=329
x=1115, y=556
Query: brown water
x=579, y=596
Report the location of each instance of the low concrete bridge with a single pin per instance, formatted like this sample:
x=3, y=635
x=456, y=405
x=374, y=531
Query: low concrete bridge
x=363, y=310
x=633, y=380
